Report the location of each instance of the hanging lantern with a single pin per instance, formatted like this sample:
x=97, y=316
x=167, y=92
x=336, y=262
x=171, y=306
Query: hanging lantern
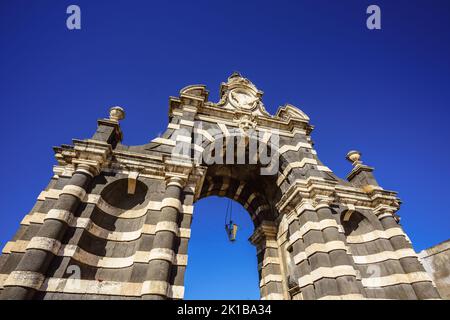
x=231, y=230
x=234, y=232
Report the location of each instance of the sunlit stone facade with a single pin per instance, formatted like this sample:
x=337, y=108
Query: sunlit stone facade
x=114, y=221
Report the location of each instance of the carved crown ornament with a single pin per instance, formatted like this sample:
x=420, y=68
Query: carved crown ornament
x=238, y=95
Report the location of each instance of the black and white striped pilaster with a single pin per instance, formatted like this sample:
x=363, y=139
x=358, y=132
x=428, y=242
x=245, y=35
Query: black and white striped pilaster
x=162, y=255
x=29, y=274
x=271, y=278
x=302, y=264
x=411, y=264
x=332, y=272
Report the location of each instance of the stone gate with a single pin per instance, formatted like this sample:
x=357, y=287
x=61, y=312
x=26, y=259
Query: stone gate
x=114, y=221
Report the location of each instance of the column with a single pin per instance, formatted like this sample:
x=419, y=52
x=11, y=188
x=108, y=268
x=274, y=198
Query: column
x=332, y=271
x=30, y=272
x=417, y=276
x=264, y=238
x=299, y=257
x=162, y=255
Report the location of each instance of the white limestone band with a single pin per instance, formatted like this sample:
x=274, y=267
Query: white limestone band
x=75, y=191
x=375, y=235
x=164, y=141
x=183, y=138
x=384, y=215
x=26, y=279
x=162, y=254
x=167, y=226
x=273, y=296
x=85, y=171
x=350, y=296
x=172, y=202
x=155, y=287
x=322, y=205
x=266, y=244
x=270, y=278
x=267, y=261
x=320, y=247
x=385, y=255
x=326, y=272
x=114, y=211
x=44, y=243
x=80, y=255
x=80, y=286
x=298, y=165
x=92, y=228
x=59, y=214
x=394, y=279
x=314, y=225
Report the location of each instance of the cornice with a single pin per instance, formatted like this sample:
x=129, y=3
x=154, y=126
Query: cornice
x=316, y=190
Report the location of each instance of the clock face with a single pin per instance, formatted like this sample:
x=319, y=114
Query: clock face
x=242, y=99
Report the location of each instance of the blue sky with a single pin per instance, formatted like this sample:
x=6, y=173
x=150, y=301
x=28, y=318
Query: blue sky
x=385, y=93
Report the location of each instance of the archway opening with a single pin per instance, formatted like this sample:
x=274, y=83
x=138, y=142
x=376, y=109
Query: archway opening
x=355, y=223
x=217, y=268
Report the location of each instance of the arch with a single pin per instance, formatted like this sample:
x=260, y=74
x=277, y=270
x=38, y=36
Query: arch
x=117, y=194
x=358, y=222
x=355, y=223
x=134, y=230
x=213, y=258
x=254, y=200
x=245, y=145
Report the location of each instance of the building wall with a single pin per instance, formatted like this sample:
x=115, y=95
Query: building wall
x=436, y=261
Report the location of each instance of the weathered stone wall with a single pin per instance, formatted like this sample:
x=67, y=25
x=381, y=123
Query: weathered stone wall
x=436, y=261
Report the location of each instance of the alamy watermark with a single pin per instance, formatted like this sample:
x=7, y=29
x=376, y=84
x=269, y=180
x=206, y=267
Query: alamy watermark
x=373, y=22
x=73, y=21
x=73, y=281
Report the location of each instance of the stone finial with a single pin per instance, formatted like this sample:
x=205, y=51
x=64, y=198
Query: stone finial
x=235, y=74
x=116, y=114
x=354, y=157
x=361, y=174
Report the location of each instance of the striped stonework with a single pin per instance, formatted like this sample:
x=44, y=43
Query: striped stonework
x=162, y=256
x=269, y=264
x=43, y=247
x=322, y=255
x=115, y=220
